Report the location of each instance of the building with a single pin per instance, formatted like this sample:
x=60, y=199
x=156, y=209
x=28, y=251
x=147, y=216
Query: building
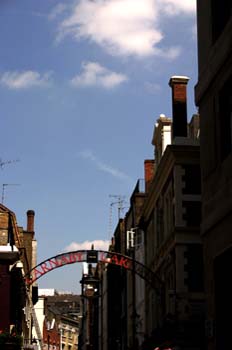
x=123, y=291
x=104, y=314
x=115, y=296
x=213, y=95
x=135, y=286
x=161, y=231
x=39, y=309
x=89, y=328
x=171, y=223
x=17, y=256
x=61, y=322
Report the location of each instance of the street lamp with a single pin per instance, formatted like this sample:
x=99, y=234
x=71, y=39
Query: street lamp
x=89, y=286
x=90, y=292
x=34, y=344
x=48, y=341
x=61, y=335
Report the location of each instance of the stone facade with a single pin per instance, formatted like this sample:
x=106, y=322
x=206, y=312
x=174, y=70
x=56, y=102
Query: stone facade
x=173, y=250
x=161, y=230
x=213, y=94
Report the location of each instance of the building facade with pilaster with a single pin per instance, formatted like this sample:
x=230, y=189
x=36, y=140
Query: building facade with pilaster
x=170, y=220
x=213, y=95
x=161, y=230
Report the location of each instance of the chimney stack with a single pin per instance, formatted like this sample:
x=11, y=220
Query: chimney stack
x=179, y=105
x=149, y=170
x=30, y=220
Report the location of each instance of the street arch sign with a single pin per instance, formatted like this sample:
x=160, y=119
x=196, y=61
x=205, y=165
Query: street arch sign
x=93, y=256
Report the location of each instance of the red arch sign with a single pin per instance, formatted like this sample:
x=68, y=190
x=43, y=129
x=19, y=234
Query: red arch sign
x=93, y=256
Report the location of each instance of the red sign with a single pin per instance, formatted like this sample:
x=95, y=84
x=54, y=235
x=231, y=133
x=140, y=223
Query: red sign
x=58, y=261
x=78, y=256
x=115, y=259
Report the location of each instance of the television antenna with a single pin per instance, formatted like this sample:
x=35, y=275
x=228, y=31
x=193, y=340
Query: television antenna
x=3, y=190
x=3, y=163
x=119, y=201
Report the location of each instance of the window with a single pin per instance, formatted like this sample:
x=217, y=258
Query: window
x=159, y=223
x=194, y=268
x=168, y=212
x=138, y=238
x=221, y=13
x=151, y=239
x=192, y=179
x=192, y=214
x=225, y=119
x=223, y=302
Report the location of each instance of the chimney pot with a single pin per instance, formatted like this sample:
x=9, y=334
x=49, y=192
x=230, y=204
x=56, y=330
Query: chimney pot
x=30, y=220
x=149, y=170
x=178, y=79
x=179, y=105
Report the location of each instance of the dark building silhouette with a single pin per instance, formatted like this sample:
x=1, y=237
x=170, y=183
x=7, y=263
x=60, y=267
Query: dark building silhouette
x=213, y=94
x=17, y=256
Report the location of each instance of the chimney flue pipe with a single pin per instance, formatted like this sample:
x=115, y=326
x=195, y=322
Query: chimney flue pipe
x=30, y=220
x=179, y=105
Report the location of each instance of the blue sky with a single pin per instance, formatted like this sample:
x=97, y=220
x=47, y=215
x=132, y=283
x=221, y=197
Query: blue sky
x=81, y=86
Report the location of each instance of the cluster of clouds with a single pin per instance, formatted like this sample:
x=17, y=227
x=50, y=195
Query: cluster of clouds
x=86, y=245
x=120, y=27
x=124, y=27
x=92, y=74
x=25, y=79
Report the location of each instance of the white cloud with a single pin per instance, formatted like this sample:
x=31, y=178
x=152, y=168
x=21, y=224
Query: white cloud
x=123, y=27
x=152, y=88
x=174, y=7
x=86, y=245
x=94, y=74
x=26, y=79
x=169, y=54
x=57, y=10
x=87, y=154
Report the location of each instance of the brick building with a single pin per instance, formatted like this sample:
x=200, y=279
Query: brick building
x=17, y=256
x=61, y=323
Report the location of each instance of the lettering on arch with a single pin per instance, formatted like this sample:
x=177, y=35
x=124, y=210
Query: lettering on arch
x=89, y=256
x=55, y=262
